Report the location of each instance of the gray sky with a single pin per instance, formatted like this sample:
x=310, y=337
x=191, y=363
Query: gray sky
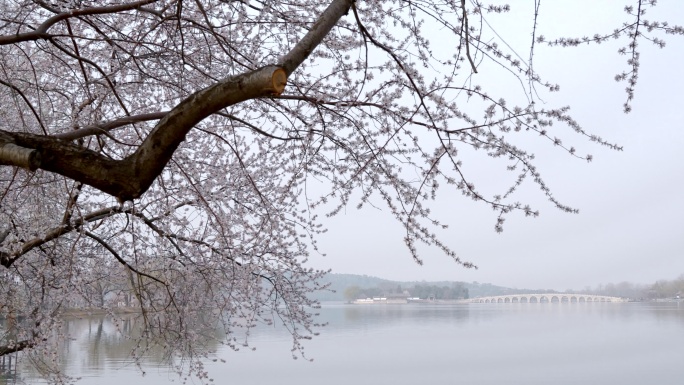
x=630, y=226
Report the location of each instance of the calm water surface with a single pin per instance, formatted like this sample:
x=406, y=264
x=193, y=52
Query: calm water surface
x=546, y=343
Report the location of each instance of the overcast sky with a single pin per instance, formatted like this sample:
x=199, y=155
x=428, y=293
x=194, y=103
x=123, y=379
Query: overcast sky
x=630, y=226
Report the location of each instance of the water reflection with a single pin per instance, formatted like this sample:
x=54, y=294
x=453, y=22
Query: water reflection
x=102, y=346
x=342, y=317
x=8, y=368
x=410, y=344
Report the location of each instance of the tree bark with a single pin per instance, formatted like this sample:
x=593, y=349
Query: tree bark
x=13, y=155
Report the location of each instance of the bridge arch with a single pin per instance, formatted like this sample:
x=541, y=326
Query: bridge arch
x=546, y=298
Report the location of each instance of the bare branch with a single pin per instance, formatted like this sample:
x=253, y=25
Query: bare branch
x=104, y=128
x=120, y=259
x=467, y=32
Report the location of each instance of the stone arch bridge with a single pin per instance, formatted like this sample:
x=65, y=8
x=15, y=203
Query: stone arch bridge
x=546, y=297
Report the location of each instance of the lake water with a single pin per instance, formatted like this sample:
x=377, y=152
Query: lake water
x=545, y=343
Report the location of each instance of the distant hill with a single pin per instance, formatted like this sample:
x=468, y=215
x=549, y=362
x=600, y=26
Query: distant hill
x=340, y=282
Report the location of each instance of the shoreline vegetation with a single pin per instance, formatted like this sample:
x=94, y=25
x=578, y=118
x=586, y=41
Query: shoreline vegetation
x=408, y=301
x=368, y=290
x=350, y=287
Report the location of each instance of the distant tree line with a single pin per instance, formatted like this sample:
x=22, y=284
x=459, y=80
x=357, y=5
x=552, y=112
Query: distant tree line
x=424, y=291
x=456, y=291
x=659, y=290
x=350, y=287
x=666, y=289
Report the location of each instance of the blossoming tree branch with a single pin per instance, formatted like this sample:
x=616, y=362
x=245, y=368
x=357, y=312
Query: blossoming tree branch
x=179, y=158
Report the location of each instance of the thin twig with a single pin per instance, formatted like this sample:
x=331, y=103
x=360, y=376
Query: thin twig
x=465, y=21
